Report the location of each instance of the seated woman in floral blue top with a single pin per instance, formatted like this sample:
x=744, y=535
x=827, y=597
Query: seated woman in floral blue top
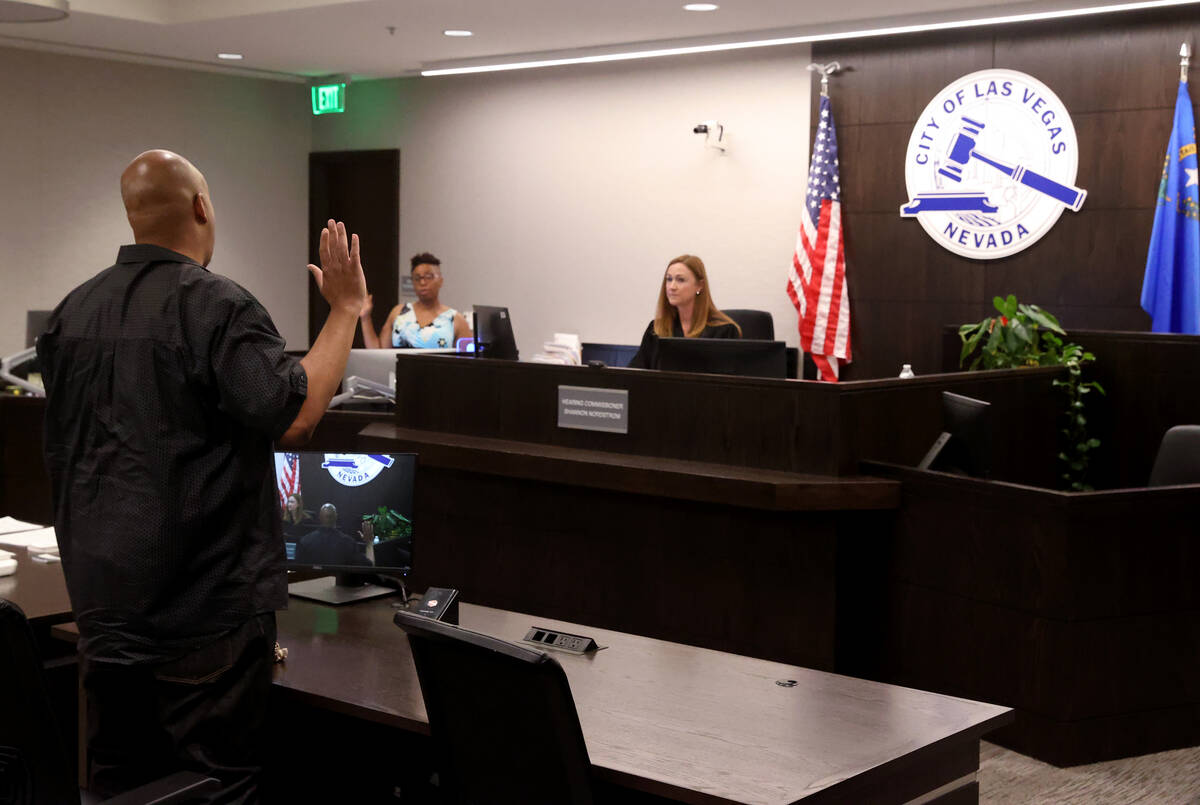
x=423, y=324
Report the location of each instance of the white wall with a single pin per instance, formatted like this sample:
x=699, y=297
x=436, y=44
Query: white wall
x=563, y=192
x=68, y=127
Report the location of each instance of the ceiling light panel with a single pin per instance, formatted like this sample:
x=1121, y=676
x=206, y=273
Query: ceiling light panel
x=824, y=36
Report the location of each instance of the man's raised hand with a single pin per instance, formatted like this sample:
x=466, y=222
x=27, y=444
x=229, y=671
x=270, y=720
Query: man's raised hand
x=340, y=277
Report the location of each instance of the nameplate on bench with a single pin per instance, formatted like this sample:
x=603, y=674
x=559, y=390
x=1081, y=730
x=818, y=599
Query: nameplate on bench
x=584, y=408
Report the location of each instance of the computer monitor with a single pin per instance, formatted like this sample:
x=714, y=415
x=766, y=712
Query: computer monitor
x=35, y=325
x=493, y=333
x=376, y=365
x=609, y=354
x=723, y=356
x=964, y=446
x=347, y=513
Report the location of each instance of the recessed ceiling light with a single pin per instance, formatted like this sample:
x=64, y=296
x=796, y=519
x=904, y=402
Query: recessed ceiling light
x=701, y=7
x=456, y=32
x=230, y=56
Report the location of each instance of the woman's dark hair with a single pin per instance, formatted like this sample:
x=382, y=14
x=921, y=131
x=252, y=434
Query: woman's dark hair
x=424, y=259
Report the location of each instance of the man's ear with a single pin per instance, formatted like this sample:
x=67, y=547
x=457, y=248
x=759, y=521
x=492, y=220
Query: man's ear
x=199, y=209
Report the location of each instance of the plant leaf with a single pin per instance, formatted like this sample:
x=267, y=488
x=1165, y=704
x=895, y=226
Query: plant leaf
x=1043, y=318
x=971, y=342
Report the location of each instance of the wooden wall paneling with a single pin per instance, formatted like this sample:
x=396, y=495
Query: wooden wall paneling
x=1117, y=75
x=799, y=427
x=1149, y=383
x=891, y=80
x=1123, y=151
x=866, y=154
x=1122, y=318
x=900, y=326
x=897, y=421
x=901, y=265
x=24, y=482
x=1107, y=266
x=1076, y=688
x=1104, y=63
x=732, y=579
x=1074, y=609
x=1079, y=742
x=672, y=415
x=1150, y=380
x=1068, y=556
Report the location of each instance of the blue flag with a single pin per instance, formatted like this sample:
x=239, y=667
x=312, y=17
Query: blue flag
x=1171, y=289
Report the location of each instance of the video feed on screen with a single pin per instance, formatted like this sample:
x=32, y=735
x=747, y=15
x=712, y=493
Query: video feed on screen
x=347, y=510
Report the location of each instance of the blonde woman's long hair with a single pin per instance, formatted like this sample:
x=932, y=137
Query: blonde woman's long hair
x=703, y=314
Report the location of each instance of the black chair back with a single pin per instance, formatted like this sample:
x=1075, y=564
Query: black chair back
x=758, y=325
x=1178, y=459
x=33, y=761
x=502, y=717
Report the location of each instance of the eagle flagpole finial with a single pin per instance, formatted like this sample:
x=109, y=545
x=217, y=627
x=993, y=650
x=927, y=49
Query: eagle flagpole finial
x=825, y=70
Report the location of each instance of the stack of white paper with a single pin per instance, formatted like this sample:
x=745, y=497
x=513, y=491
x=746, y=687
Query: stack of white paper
x=9, y=525
x=37, y=540
x=565, y=349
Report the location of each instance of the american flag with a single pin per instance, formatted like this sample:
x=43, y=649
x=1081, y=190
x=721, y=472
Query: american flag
x=287, y=476
x=817, y=280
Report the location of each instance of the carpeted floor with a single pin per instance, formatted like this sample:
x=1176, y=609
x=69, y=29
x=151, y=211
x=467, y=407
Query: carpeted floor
x=1165, y=778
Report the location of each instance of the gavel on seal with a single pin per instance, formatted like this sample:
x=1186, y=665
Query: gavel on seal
x=963, y=149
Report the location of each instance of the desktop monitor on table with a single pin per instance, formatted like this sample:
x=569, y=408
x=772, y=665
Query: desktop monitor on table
x=493, y=333
x=36, y=322
x=964, y=446
x=350, y=514
x=375, y=365
x=723, y=356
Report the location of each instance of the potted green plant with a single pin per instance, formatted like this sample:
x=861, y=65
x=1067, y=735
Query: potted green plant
x=388, y=524
x=1026, y=335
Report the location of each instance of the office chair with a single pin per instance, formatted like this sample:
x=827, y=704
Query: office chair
x=504, y=724
x=755, y=324
x=34, y=769
x=1178, y=458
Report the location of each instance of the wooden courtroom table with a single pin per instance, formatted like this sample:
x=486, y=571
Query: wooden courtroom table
x=676, y=721
x=38, y=588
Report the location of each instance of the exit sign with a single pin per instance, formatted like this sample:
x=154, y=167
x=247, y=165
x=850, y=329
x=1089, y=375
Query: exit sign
x=329, y=99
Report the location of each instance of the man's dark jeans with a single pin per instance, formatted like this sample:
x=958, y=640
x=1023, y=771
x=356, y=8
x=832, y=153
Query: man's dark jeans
x=202, y=712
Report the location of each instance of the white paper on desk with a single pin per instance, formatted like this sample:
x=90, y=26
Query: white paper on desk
x=9, y=525
x=40, y=539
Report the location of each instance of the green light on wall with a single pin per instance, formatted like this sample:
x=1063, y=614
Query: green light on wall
x=329, y=99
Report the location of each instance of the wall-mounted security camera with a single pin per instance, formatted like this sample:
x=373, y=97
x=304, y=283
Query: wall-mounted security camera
x=714, y=134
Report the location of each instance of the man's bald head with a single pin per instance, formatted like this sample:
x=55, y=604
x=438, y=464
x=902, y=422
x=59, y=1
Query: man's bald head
x=328, y=515
x=168, y=204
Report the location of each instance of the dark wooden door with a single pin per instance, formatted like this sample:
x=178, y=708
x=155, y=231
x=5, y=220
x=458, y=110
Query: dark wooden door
x=361, y=188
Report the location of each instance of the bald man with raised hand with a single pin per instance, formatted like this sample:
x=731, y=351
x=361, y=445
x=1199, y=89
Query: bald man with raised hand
x=166, y=386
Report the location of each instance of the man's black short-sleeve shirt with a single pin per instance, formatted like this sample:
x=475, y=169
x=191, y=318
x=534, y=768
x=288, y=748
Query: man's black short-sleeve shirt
x=165, y=387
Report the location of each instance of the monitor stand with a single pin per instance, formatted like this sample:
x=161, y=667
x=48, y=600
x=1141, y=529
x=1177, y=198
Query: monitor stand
x=334, y=590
